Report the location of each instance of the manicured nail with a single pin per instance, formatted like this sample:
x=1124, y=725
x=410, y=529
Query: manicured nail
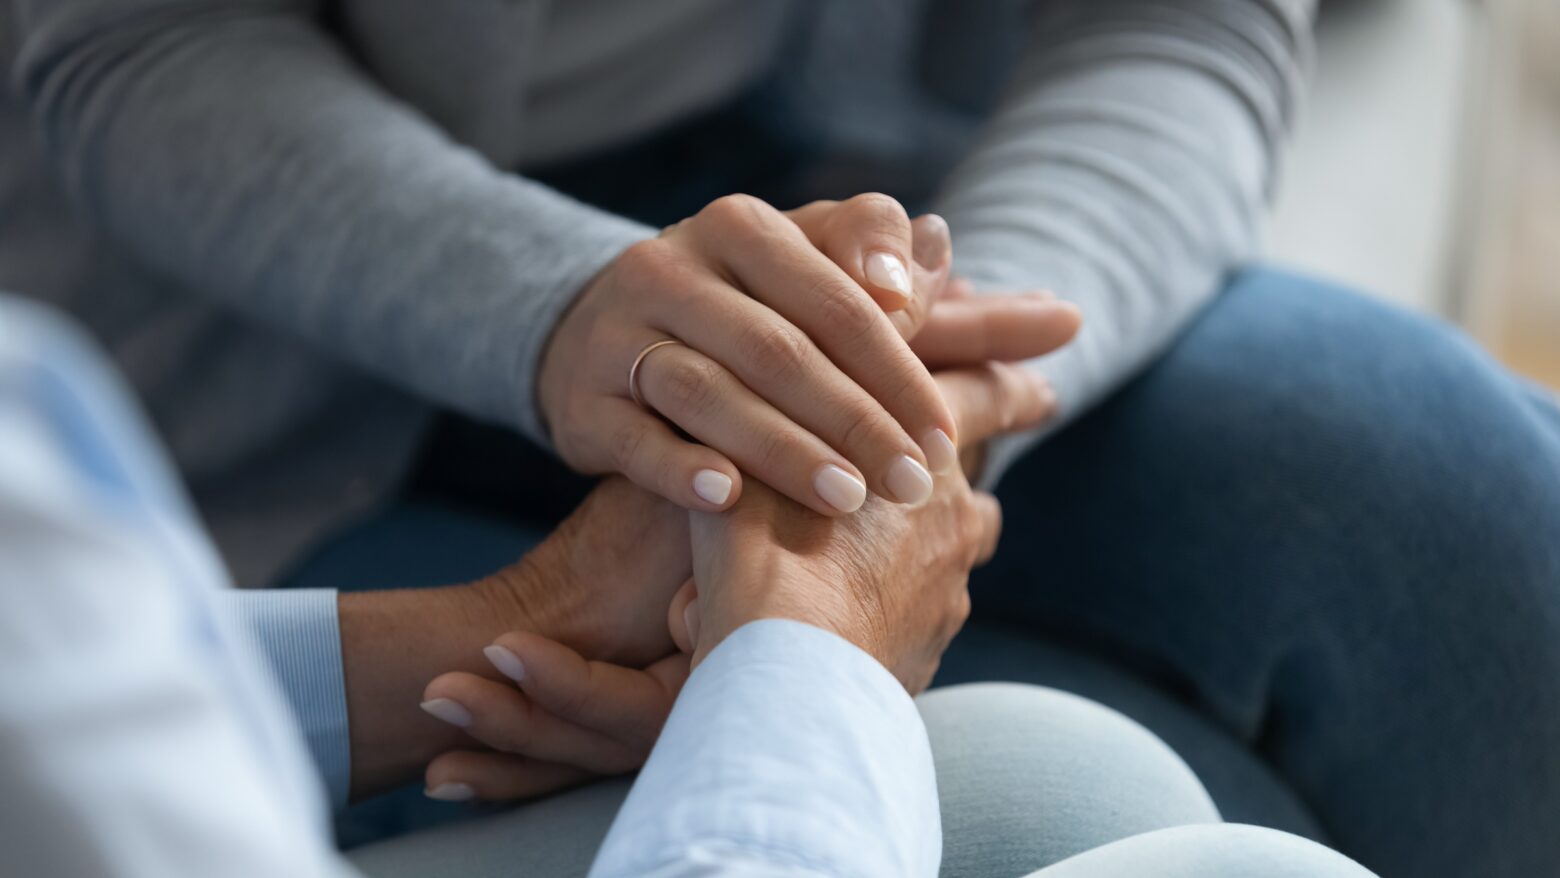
x=908, y=481
x=711, y=486
x=450, y=711
x=450, y=792
x=887, y=271
x=941, y=455
x=506, y=661
x=839, y=488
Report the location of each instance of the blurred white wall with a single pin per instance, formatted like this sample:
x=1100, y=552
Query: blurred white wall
x=1371, y=193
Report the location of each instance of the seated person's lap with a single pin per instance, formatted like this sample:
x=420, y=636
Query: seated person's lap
x=1303, y=510
x=1328, y=526
x=1027, y=777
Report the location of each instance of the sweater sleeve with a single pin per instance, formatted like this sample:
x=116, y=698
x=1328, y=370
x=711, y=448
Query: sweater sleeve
x=234, y=147
x=1127, y=170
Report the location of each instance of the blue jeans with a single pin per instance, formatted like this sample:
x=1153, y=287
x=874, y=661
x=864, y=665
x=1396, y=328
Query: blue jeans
x=1316, y=549
x=1332, y=530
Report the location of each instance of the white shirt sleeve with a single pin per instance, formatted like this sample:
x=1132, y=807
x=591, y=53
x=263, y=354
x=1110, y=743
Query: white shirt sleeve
x=140, y=734
x=790, y=752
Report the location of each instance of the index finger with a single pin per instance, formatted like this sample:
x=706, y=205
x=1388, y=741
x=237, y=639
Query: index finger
x=968, y=331
x=782, y=269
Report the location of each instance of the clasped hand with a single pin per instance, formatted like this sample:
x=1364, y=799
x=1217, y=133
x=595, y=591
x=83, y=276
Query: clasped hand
x=586, y=691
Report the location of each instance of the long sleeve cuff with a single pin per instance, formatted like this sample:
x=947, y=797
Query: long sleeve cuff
x=298, y=633
x=790, y=751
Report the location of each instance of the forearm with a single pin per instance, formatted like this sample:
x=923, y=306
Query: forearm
x=353, y=667
x=1127, y=170
x=237, y=149
x=392, y=644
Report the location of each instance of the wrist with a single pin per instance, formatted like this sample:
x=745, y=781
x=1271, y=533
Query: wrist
x=515, y=599
x=536, y=596
x=776, y=590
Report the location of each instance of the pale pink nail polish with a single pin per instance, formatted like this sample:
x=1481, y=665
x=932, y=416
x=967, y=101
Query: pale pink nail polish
x=887, y=271
x=839, y=488
x=452, y=712
x=505, y=661
x=908, y=481
x=450, y=792
x=712, y=486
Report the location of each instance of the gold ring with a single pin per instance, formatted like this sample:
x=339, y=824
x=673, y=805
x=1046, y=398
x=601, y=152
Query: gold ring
x=633, y=371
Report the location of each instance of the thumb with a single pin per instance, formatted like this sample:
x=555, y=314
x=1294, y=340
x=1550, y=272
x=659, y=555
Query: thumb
x=682, y=617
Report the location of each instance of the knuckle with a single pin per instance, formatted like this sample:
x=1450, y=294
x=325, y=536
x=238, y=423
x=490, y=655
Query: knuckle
x=692, y=385
x=864, y=425
x=650, y=260
x=908, y=387
x=880, y=208
x=777, y=447
x=626, y=442
x=844, y=308
x=738, y=211
x=778, y=350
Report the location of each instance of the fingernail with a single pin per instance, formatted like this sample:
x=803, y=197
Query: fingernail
x=908, y=481
x=449, y=711
x=506, y=661
x=941, y=455
x=887, y=271
x=450, y=792
x=839, y=488
x=711, y=486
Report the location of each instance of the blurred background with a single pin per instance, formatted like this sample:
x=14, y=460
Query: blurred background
x=1438, y=123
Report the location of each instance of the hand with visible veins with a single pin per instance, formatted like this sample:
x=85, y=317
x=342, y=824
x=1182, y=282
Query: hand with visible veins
x=599, y=586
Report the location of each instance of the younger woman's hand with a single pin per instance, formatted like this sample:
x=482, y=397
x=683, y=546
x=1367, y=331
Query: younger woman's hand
x=787, y=365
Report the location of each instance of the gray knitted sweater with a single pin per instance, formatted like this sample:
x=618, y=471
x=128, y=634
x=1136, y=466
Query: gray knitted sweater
x=301, y=226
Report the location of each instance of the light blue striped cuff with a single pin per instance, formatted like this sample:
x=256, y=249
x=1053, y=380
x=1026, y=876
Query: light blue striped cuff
x=299, y=634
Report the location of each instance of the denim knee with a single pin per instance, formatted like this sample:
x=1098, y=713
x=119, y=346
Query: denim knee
x=1409, y=408
x=1224, y=851
x=1028, y=776
x=1393, y=430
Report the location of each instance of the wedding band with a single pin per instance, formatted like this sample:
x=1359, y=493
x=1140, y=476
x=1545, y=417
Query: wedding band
x=633, y=371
